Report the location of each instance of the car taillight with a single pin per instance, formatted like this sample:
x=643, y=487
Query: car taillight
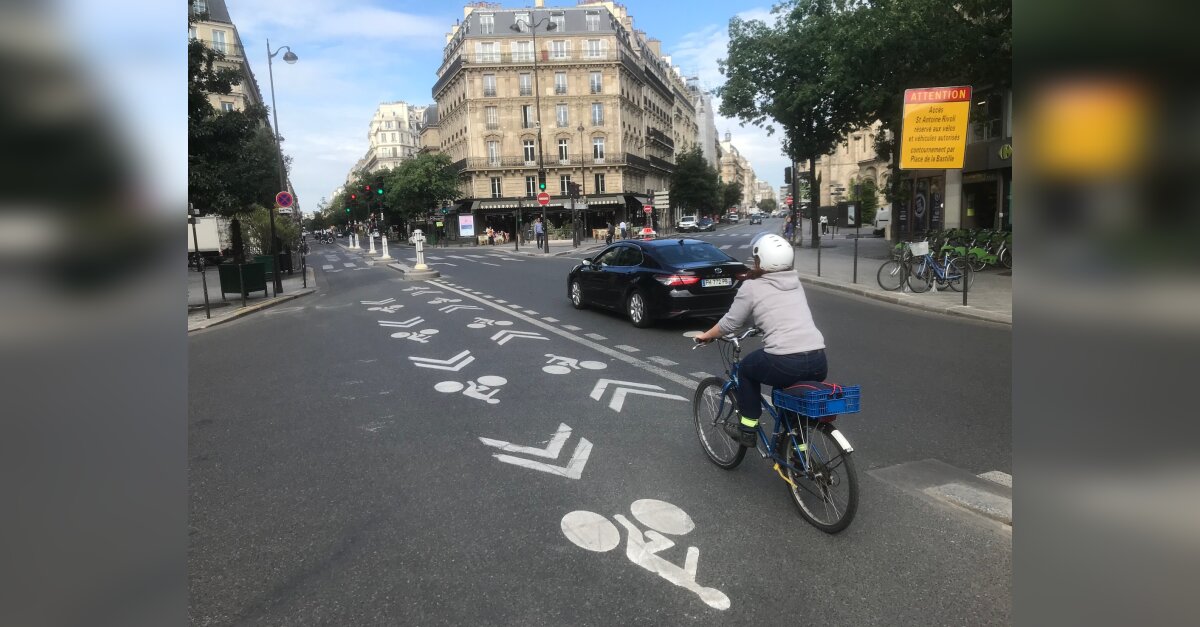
x=678, y=279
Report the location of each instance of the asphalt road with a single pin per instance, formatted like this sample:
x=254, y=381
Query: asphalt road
x=348, y=462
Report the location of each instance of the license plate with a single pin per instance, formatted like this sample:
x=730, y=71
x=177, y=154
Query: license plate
x=716, y=282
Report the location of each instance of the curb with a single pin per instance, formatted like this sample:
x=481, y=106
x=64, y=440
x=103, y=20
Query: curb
x=414, y=275
x=905, y=300
x=249, y=309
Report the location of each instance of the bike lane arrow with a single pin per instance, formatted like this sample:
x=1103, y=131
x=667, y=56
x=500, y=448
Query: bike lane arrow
x=624, y=388
x=573, y=468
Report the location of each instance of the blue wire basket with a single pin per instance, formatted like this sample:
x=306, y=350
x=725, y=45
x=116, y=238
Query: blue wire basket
x=824, y=399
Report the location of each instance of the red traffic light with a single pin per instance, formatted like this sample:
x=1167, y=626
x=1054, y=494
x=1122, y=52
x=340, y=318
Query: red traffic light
x=353, y=197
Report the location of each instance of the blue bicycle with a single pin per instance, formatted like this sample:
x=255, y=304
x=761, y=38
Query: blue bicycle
x=810, y=455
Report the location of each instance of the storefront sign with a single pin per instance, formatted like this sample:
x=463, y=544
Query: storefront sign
x=466, y=226
x=935, y=127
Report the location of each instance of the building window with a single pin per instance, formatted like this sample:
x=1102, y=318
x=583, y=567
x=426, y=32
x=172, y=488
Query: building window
x=523, y=52
x=493, y=152
x=558, y=49
x=382, y=137
x=560, y=83
x=226, y=106
x=219, y=40
x=592, y=19
x=526, y=82
x=595, y=48
x=394, y=137
x=488, y=53
x=496, y=187
x=522, y=21
x=987, y=119
x=598, y=148
x=563, y=146
x=599, y=184
x=597, y=114
x=560, y=114
x=489, y=84
x=597, y=82
x=487, y=24
x=559, y=21
x=527, y=149
x=563, y=184
x=199, y=6
x=530, y=186
x=191, y=32
x=492, y=116
x=527, y=116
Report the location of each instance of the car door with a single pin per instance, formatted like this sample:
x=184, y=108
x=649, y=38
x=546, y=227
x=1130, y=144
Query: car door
x=592, y=276
x=615, y=275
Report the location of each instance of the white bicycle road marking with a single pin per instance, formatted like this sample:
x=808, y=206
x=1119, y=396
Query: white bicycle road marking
x=485, y=322
x=621, y=389
x=593, y=532
x=573, y=469
x=475, y=389
x=421, y=336
x=566, y=365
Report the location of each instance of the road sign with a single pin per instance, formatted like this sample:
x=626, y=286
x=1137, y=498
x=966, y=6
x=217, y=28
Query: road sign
x=284, y=199
x=935, y=127
x=543, y=199
x=647, y=208
x=789, y=201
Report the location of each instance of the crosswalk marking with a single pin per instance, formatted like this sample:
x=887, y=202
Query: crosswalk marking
x=328, y=266
x=349, y=264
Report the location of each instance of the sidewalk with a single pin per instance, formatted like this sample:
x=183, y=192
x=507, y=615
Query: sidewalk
x=989, y=297
x=230, y=308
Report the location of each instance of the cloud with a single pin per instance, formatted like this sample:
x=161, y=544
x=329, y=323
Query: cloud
x=697, y=54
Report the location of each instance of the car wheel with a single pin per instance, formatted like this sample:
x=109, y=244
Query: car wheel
x=577, y=295
x=639, y=315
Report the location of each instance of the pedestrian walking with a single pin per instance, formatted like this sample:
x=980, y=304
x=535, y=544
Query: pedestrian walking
x=788, y=228
x=624, y=229
x=824, y=225
x=491, y=234
x=608, y=237
x=539, y=232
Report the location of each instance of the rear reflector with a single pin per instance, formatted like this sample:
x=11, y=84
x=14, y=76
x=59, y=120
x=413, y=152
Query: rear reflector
x=678, y=279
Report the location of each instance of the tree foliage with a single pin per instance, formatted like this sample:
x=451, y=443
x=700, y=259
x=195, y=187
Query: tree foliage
x=232, y=155
x=731, y=194
x=694, y=183
x=767, y=205
x=420, y=185
x=866, y=195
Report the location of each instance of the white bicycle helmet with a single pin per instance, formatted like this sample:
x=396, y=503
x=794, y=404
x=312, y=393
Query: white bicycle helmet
x=774, y=253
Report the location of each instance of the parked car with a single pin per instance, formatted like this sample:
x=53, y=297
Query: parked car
x=657, y=279
x=734, y=217
x=756, y=218
x=705, y=224
x=688, y=224
x=882, y=217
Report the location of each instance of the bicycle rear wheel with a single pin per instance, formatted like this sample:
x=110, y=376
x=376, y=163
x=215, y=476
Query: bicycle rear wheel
x=890, y=275
x=959, y=271
x=919, y=276
x=712, y=411
x=827, y=493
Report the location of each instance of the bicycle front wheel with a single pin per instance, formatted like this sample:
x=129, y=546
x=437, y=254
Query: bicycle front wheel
x=919, y=277
x=712, y=410
x=825, y=491
x=958, y=272
x=890, y=275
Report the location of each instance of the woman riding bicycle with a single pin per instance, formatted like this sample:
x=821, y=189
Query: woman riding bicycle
x=793, y=349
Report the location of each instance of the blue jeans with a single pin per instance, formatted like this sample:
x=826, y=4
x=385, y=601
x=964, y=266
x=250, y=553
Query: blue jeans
x=777, y=371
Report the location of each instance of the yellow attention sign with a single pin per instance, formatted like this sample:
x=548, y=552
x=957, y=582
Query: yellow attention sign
x=935, y=127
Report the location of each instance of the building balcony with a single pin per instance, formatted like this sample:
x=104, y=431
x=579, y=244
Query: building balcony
x=597, y=121
x=597, y=89
x=560, y=89
x=526, y=91
x=492, y=126
x=573, y=161
x=563, y=124
x=489, y=92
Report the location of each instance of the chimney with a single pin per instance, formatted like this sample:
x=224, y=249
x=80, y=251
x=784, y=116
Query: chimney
x=655, y=46
x=539, y=4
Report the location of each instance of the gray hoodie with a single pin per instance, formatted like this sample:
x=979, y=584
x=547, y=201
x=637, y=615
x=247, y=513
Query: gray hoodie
x=776, y=304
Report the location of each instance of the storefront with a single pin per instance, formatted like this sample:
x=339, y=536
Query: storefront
x=987, y=185
x=922, y=206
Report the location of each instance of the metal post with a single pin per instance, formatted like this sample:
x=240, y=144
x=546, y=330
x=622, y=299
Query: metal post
x=278, y=282
x=818, y=241
x=966, y=280
x=517, y=227
x=204, y=277
x=856, y=227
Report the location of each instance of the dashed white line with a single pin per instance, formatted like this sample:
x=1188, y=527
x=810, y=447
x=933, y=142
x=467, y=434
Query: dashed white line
x=501, y=301
x=627, y=348
x=699, y=375
x=596, y=336
x=490, y=264
x=328, y=266
x=662, y=361
x=348, y=264
x=513, y=305
x=726, y=246
x=571, y=327
x=488, y=296
x=548, y=318
x=531, y=312
x=996, y=476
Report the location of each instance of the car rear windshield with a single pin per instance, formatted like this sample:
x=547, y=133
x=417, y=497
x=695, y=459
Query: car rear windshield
x=691, y=253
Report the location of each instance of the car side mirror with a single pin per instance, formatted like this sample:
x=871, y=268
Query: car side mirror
x=587, y=261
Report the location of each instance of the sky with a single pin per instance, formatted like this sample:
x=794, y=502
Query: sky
x=355, y=54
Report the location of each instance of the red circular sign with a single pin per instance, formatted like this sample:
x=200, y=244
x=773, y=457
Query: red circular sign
x=647, y=208
x=789, y=200
x=284, y=199
x=543, y=199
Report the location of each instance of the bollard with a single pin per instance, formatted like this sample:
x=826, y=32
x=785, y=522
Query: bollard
x=855, y=255
x=383, y=247
x=966, y=282
x=418, y=239
x=353, y=241
x=371, y=239
x=818, y=255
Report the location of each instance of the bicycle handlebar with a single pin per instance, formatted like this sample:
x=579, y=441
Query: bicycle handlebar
x=734, y=339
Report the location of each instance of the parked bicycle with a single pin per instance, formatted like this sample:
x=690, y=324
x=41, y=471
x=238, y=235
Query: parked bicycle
x=810, y=454
x=927, y=271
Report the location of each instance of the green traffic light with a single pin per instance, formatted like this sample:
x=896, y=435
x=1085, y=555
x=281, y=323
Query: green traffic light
x=379, y=191
x=347, y=209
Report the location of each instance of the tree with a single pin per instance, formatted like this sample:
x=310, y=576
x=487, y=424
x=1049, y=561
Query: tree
x=693, y=183
x=731, y=195
x=767, y=205
x=829, y=66
x=257, y=225
x=867, y=196
x=420, y=185
x=232, y=155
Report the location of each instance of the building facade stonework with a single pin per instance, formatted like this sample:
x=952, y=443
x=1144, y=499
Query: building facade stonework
x=613, y=112
x=393, y=135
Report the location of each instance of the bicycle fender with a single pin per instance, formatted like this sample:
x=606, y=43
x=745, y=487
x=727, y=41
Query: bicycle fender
x=841, y=440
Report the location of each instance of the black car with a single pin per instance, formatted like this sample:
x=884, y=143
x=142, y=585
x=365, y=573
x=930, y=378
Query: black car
x=756, y=218
x=705, y=224
x=657, y=279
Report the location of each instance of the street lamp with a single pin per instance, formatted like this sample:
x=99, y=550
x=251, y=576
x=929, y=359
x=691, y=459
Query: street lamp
x=289, y=57
x=582, y=181
x=537, y=99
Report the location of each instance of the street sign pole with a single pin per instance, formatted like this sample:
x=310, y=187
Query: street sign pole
x=204, y=277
